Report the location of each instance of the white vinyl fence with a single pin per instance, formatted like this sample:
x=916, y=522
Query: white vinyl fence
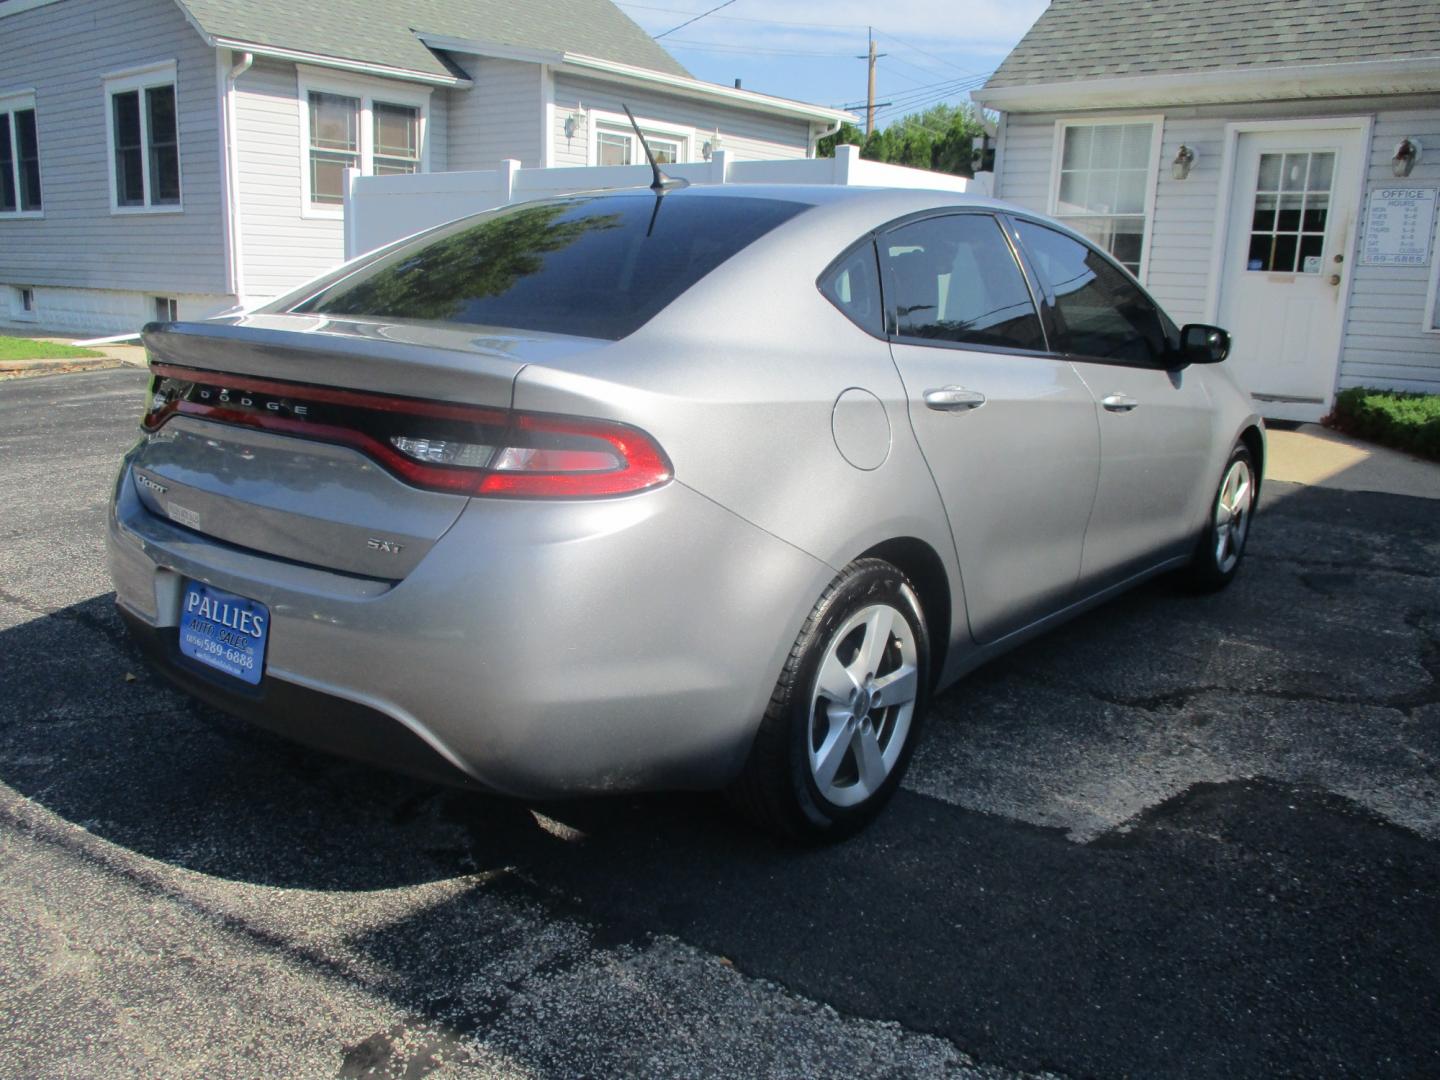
x=381, y=209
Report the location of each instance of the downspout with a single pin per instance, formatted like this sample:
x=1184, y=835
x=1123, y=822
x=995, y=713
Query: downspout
x=816, y=136
x=232, y=178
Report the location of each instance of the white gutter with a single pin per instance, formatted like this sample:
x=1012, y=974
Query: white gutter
x=580, y=64
x=339, y=63
x=231, y=151
x=816, y=135
x=1272, y=82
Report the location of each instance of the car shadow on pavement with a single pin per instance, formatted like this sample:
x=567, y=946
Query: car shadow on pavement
x=1236, y=928
x=1239, y=928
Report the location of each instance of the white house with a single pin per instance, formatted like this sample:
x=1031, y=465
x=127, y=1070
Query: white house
x=175, y=158
x=1270, y=166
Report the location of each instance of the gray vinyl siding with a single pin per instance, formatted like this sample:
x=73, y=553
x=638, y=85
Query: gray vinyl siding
x=281, y=247
x=64, y=51
x=745, y=135
x=501, y=116
x=1384, y=338
x=1384, y=343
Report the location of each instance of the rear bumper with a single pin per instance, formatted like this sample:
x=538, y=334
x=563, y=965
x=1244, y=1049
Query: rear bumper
x=319, y=720
x=539, y=649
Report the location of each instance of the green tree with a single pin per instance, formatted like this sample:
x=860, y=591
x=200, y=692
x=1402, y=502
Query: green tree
x=482, y=261
x=939, y=139
x=848, y=135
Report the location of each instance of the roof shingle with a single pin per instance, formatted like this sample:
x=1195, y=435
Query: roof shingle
x=1098, y=39
x=384, y=31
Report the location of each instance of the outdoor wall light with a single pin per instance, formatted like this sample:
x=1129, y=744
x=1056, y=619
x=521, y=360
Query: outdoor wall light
x=1185, y=159
x=1407, y=156
x=707, y=150
x=572, y=122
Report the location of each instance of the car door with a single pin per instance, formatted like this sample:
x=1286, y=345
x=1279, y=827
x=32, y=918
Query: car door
x=1157, y=425
x=1008, y=430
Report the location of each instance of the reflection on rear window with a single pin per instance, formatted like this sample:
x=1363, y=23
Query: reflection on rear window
x=594, y=267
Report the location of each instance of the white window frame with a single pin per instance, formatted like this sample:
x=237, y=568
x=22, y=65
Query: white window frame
x=619, y=124
x=142, y=79
x=1157, y=140
x=11, y=103
x=17, y=304
x=318, y=81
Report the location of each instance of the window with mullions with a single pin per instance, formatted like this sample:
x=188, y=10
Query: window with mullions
x=145, y=143
x=19, y=160
x=1106, y=172
x=357, y=131
x=619, y=147
x=334, y=145
x=1292, y=205
x=397, y=139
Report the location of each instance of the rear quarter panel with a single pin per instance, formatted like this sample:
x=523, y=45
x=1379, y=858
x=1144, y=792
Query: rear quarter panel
x=738, y=379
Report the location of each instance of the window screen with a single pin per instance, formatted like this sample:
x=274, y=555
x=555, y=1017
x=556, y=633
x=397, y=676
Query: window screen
x=594, y=267
x=1099, y=311
x=955, y=279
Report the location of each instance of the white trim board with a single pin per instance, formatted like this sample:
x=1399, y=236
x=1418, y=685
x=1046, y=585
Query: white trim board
x=1269, y=82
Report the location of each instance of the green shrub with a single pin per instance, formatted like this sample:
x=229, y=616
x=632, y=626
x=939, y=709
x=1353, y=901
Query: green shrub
x=1409, y=422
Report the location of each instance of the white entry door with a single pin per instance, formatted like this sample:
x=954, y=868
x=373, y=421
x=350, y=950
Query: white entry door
x=1293, y=208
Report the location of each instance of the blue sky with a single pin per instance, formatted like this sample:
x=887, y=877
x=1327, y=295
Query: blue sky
x=807, y=49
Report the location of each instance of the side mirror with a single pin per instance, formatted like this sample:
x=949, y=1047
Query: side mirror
x=1201, y=344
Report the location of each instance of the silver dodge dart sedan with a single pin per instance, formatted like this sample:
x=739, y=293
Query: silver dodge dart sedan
x=710, y=488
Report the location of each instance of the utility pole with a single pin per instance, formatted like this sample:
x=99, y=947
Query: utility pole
x=872, y=56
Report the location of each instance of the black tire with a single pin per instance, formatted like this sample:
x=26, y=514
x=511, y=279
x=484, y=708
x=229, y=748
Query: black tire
x=1209, y=569
x=777, y=789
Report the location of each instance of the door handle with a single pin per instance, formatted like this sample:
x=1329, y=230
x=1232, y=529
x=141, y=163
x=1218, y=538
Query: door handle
x=1119, y=403
x=954, y=399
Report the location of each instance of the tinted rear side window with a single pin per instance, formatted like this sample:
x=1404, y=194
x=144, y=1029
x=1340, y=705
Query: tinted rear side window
x=853, y=286
x=956, y=279
x=594, y=267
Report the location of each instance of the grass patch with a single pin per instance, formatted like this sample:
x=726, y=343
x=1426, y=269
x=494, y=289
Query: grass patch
x=19, y=348
x=1409, y=422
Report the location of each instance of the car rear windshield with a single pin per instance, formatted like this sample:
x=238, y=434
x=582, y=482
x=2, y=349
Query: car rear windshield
x=595, y=267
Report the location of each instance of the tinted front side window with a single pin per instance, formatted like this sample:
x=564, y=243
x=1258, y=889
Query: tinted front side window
x=955, y=279
x=594, y=267
x=1099, y=310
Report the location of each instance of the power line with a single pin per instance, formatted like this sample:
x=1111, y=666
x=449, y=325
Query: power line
x=915, y=104
x=922, y=52
x=746, y=18
x=697, y=18
x=703, y=46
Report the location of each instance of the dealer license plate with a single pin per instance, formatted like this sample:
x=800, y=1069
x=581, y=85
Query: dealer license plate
x=224, y=631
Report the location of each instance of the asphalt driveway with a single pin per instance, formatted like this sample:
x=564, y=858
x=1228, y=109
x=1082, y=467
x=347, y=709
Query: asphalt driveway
x=1184, y=837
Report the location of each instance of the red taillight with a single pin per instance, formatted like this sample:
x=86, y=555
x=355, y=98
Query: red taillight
x=464, y=449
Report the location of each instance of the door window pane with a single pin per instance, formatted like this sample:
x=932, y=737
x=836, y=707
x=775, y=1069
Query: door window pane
x=334, y=144
x=28, y=146
x=397, y=139
x=1105, y=174
x=164, y=146
x=129, y=152
x=1292, y=209
x=955, y=279
x=1100, y=312
x=7, y=166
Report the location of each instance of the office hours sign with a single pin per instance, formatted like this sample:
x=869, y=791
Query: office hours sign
x=1398, y=227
